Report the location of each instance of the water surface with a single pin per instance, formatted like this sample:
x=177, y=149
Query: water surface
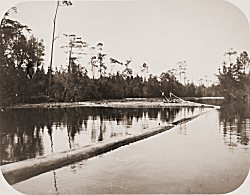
x=209, y=154
x=31, y=132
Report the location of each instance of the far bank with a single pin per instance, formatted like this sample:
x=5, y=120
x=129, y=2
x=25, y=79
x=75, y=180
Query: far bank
x=125, y=103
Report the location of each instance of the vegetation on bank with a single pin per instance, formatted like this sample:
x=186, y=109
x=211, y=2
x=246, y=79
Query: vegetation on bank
x=234, y=81
x=24, y=79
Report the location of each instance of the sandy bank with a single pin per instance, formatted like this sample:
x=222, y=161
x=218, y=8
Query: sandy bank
x=114, y=104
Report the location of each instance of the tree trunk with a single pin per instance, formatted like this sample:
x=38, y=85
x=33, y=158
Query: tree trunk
x=64, y=94
x=52, y=46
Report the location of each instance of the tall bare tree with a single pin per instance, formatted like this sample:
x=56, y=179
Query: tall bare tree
x=230, y=52
x=144, y=70
x=182, y=66
x=59, y=3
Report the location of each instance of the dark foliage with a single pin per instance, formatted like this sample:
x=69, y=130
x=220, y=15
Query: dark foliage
x=234, y=82
x=24, y=80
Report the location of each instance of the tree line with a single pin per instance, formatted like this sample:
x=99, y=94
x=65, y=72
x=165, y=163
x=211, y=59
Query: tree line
x=24, y=79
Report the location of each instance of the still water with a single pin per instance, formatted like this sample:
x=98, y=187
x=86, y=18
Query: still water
x=209, y=154
x=28, y=133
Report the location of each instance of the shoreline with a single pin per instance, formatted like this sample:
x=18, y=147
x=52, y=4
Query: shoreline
x=113, y=104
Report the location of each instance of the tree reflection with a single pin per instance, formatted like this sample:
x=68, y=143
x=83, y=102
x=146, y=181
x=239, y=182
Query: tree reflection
x=100, y=138
x=93, y=132
x=20, y=135
x=23, y=130
x=234, y=119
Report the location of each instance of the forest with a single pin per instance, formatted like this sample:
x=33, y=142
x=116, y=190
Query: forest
x=25, y=80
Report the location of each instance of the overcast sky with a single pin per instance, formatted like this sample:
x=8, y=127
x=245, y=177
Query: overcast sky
x=157, y=32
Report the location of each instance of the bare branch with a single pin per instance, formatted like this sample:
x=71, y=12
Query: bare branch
x=57, y=36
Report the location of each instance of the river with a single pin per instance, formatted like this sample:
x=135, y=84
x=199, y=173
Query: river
x=31, y=132
x=209, y=154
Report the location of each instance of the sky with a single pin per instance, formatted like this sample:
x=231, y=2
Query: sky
x=160, y=33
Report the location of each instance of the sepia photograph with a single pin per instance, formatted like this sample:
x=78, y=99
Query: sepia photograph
x=125, y=97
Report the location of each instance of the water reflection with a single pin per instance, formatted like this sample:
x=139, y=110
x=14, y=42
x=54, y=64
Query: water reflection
x=234, y=120
x=183, y=129
x=216, y=102
x=234, y=124
x=27, y=133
